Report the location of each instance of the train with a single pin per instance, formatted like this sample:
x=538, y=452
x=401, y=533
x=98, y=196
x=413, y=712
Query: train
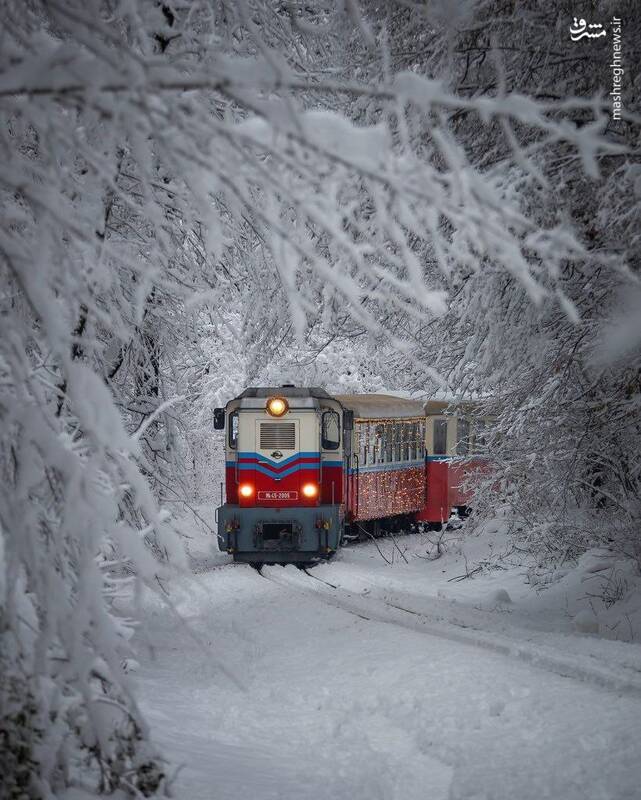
x=306, y=470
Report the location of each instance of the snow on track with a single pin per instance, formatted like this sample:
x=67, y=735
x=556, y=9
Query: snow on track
x=338, y=706
x=539, y=655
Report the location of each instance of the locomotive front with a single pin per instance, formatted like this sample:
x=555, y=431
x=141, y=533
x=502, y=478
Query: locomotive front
x=284, y=475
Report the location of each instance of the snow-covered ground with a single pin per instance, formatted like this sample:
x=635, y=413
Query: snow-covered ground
x=395, y=681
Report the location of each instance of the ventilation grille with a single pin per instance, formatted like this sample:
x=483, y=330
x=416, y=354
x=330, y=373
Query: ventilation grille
x=277, y=435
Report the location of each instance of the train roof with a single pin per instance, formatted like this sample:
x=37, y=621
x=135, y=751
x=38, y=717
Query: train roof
x=284, y=391
x=368, y=406
x=376, y=406
x=464, y=405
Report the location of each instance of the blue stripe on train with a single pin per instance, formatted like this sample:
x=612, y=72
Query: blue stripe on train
x=278, y=462
x=283, y=474
x=476, y=456
x=266, y=467
x=311, y=466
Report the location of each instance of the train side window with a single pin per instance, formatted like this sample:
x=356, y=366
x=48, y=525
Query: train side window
x=463, y=437
x=480, y=442
x=378, y=444
x=421, y=439
x=331, y=432
x=405, y=441
x=389, y=442
x=233, y=430
x=414, y=441
x=362, y=444
x=395, y=445
x=440, y=437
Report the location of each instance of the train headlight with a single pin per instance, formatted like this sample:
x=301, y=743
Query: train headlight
x=277, y=406
x=246, y=490
x=310, y=490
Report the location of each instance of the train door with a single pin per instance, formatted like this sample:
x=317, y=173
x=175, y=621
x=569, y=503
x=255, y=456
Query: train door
x=331, y=444
x=459, y=466
x=437, y=440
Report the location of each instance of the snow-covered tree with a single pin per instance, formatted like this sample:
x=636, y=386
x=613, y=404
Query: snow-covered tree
x=562, y=372
x=184, y=186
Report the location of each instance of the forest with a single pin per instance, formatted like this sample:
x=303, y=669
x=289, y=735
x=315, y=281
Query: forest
x=426, y=198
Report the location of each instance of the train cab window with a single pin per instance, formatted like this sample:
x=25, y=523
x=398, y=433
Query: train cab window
x=463, y=437
x=331, y=433
x=233, y=430
x=440, y=437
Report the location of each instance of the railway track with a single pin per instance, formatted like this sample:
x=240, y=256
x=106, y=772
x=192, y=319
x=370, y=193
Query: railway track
x=301, y=589
x=311, y=575
x=383, y=611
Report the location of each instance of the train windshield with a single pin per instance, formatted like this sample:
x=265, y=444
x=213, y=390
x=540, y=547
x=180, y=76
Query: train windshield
x=331, y=430
x=233, y=429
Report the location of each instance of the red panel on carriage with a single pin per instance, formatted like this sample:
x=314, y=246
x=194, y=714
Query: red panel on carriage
x=459, y=474
x=437, y=508
x=466, y=472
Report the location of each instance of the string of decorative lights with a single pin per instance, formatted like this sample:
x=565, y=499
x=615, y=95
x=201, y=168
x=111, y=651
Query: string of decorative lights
x=390, y=492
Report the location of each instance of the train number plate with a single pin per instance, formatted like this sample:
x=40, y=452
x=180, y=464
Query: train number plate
x=278, y=495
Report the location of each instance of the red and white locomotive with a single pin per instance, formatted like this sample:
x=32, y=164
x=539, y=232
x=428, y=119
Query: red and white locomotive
x=303, y=469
